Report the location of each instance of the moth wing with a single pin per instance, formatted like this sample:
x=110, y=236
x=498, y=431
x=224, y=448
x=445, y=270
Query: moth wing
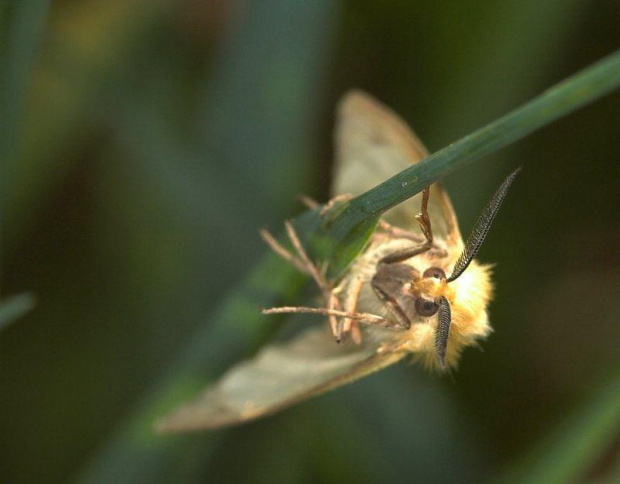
x=277, y=377
x=372, y=144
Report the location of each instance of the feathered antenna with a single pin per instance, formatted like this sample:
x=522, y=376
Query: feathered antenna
x=482, y=227
x=442, y=333
x=474, y=242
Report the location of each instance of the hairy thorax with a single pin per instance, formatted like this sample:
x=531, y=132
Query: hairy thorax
x=406, y=282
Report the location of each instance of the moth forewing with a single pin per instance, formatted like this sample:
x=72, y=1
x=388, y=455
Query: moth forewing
x=373, y=144
x=395, y=299
x=279, y=376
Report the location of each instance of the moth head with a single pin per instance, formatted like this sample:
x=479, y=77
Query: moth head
x=461, y=297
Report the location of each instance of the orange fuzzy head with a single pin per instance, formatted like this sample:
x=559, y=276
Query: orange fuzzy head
x=468, y=298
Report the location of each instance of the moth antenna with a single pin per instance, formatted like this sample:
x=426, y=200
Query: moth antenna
x=444, y=319
x=482, y=227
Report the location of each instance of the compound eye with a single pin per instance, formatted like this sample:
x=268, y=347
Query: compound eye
x=435, y=272
x=426, y=307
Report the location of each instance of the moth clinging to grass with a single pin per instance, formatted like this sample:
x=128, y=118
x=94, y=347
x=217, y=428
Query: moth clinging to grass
x=414, y=290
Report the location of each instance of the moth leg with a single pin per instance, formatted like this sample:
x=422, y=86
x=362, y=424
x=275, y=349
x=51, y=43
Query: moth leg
x=309, y=202
x=423, y=219
x=398, y=232
x=334, y=304
x=402, y=321
x=365, y=318
x=425, y=224
x=310, y=267
x=274, y=245
x=390, y=276
x=345, y=197
x=351, y=326
x=302, y=262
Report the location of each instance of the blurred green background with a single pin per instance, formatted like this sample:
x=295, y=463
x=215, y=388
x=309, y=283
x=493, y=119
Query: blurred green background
x=144, y=143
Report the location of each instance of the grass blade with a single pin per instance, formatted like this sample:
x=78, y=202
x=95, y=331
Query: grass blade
x=567, y=96
x=136, y=453
x=21, y=24
x=15, y=307
x=577, y=444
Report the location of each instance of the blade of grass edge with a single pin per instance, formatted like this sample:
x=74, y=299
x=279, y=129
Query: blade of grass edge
x=14, y=307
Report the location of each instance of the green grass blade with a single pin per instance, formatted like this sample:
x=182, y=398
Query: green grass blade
x=136, y=453
x=577, y=444
x=15, y=307
x=567, y=96
x=21, y=24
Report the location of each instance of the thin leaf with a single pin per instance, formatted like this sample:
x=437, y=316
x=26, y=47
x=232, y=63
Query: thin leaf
x=15, y=307
x=136, y=451
x=21, y=24
x=120, y=35
x=567, y=96
x=576, y=445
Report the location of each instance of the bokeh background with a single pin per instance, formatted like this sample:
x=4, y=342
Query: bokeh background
x=156, y=138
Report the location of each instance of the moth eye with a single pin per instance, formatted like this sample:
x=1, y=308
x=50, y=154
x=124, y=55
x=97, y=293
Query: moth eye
x=425, y=307
x=435, y=272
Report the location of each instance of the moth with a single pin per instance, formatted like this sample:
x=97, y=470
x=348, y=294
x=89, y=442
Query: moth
x=415, y=290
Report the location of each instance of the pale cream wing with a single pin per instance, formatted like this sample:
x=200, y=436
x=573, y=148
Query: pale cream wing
x=372, y=144
x=279, y=376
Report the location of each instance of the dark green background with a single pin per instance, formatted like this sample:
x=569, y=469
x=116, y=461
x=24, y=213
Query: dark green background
x=158, y=136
